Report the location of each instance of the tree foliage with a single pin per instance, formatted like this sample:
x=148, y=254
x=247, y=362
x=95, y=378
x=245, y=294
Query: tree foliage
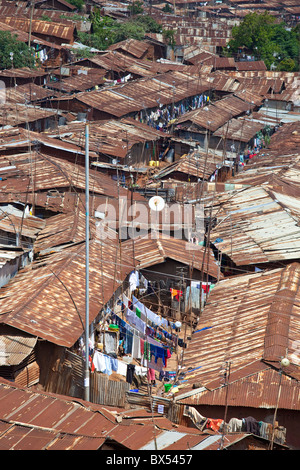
x=129, y=30
x=167, y=8
x=148, y=23
x=23, y=56
x=266, y=40
x=169, y=37
x=77, y=3
x=136, y=7
x=106, y=31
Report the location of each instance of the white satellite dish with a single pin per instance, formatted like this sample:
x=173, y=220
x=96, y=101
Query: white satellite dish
x=156, y=203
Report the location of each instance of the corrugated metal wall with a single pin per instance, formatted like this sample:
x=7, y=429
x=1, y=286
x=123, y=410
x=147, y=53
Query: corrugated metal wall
x=107, y=392
x=67, y=378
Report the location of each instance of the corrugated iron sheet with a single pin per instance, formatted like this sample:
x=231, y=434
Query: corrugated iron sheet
x=62, y=229
x=15, y=346
x=23, y=72
x=149, y=252
x=24, y=36
x=77, y=83
x=240, y=130
x=249, y=321
x=257, y=226
x=251, y=65
x=47, y=298
x=274, y=170
x=215, y=115
x=197, y=164
x=286, y=139
x=144, y=93
x=47, y=28
x=114, y=138
x=131, y=46
x=27, y=93
x=16, y=114
x=41, y=421
x=51, y=174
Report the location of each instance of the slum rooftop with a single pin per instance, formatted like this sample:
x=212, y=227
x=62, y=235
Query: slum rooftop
x=161, y=121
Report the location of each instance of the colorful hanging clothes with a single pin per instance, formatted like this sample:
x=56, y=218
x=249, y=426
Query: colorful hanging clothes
x=92, y=366
x=205, y=288
x=214, y=424
x=176, y=293
x=138, y=312
x=151, y=375
x=134, y=320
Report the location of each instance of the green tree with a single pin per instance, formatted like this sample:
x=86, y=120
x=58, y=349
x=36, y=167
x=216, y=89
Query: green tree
x=148, y=23
x=106, y=31
x=77, y=3
x=136, y=7
x=101, y=22
x=82, y=52
x=23, y=56
x=129, y=30
x=167, y=8
x=265, y=39
x=45, y=18
x=100, y=40
x=169, y=37
x=286, y=65
x=296, y=31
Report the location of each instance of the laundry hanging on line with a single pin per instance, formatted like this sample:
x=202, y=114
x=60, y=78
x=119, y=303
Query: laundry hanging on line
x=107, y=365
x=176, y=293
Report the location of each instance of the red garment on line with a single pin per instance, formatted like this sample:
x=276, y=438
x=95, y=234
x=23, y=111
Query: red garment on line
x=92, y=366
x=151, y=374
x=168, y=357
x=205, y=288
x=214, y=424
x=176, y=293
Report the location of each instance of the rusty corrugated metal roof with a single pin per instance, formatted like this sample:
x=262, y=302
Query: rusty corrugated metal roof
x=23, y=72
x=251, y=65
x=274, y=170
x=114, y=138
x=27, y=93
x=47, y=298
x=17, y=114
x=286, y=139
x=15, y=346
x=240, y=130
x=64, y=32
x=216, y=114
x=257, y=225
x=131, y=46
x=62, y=229
x=77, y=83
x=248, y=320
x=144, y=93
x=197, y=164
x=42, y=421
x=149, y=251
x=51, y=174
x=27, y=226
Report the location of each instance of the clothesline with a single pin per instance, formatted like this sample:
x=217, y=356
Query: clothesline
x=248, y=424
x=150, y=318
x=107, y=365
